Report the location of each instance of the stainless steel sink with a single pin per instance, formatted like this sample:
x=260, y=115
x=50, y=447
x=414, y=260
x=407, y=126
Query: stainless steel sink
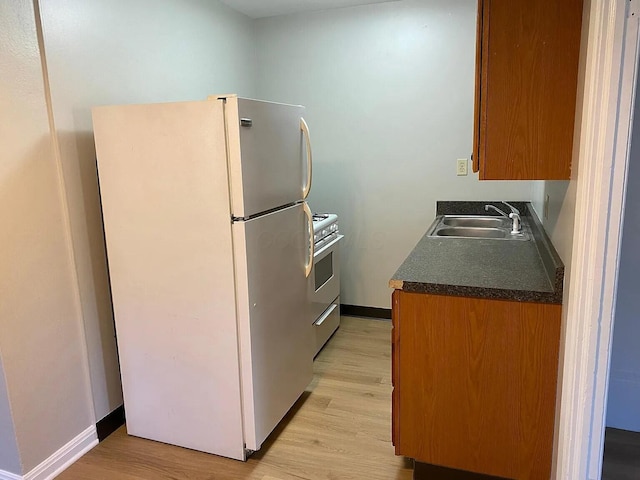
x=475, y=226
x=473, y=221
x=475, y=232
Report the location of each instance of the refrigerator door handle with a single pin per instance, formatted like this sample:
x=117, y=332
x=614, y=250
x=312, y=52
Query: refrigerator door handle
x=305, y=130
x=309, y=265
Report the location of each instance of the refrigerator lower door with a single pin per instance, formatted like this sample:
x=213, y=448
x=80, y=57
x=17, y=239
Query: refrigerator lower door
x=275, y=334
x=266, y=155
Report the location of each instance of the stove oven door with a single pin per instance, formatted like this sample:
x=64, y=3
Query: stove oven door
x=324, y=283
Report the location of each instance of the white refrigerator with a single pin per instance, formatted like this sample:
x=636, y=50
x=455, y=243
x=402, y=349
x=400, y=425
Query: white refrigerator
x=209, y=243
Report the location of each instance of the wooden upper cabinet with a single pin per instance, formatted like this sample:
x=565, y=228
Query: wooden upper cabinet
x=526, y=82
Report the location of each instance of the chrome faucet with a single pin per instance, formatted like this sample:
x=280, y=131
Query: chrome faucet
x=516, y=226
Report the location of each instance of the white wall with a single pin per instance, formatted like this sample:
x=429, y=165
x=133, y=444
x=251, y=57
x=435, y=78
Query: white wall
x=559, y=221
x=389, y=95
x=128, y=51
x=41, y=336
x=623, y=406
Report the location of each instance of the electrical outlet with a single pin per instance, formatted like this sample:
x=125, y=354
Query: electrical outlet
x=461, y=168
x=546, y=207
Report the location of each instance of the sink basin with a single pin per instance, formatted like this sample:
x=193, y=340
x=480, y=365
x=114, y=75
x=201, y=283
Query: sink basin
x=471, y=221
x=476, y=226
x=471, y=232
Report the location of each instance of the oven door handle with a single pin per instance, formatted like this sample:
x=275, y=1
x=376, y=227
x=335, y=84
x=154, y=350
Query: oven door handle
x=328, y=246
x=309, y=265
x=305, y=130
x=326, y=314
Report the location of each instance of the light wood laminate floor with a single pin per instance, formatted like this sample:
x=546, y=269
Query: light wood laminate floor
x=339, y=430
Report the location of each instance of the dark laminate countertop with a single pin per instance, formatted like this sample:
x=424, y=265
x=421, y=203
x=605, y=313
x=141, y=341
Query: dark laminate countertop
x=529, y=271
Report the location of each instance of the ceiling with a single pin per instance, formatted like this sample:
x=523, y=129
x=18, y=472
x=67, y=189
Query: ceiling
x=270, y=8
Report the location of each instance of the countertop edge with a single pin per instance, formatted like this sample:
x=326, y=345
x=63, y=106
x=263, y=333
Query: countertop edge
x=481, y=292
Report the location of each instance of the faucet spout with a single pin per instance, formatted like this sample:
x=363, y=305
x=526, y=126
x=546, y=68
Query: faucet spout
x=516, y=221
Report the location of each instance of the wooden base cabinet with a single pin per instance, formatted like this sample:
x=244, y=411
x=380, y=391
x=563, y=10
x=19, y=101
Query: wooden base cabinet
x=475, y=383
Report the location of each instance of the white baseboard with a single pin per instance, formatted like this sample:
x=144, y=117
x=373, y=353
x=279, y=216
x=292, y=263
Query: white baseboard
x=63, y=458
x=9, y=476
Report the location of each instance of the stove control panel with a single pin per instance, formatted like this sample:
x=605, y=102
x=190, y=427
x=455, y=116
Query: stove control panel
x=325, y=228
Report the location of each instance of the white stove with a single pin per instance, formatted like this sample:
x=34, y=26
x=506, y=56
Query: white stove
x=325, y=228
x=324, y=281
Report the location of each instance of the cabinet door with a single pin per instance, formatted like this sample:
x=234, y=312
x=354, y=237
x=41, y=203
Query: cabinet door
x=395, y=367
x=475, y=383
x=526, y=83
x=479, y=119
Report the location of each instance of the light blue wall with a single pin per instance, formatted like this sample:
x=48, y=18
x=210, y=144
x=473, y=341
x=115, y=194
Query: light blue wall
x=623, y=409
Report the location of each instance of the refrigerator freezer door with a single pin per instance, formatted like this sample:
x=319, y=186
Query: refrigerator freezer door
x=276, y=336
x=267, y=157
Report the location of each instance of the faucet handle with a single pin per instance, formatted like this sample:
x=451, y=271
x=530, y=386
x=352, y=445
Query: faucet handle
x=513, y=209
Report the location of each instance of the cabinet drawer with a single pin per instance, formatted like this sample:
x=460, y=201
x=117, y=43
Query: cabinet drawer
x=326, y=324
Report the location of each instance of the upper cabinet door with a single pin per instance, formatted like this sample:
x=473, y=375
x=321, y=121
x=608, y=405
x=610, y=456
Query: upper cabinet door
x=526, y=85
x=266, y=155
